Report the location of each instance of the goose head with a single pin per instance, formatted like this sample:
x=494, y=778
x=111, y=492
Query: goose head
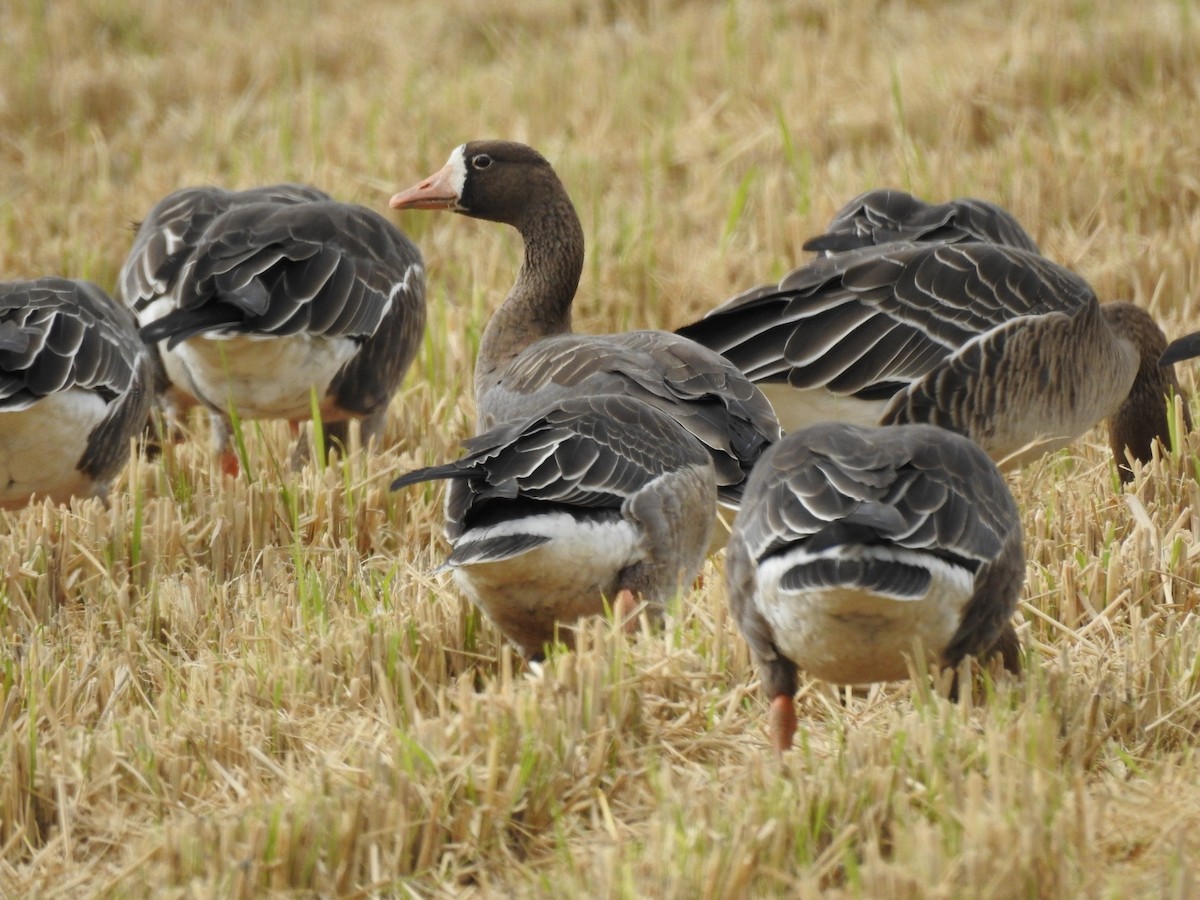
x=1141, y=419
x=501, y=181
x=510, y=183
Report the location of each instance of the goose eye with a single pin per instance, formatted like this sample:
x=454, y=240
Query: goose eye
x=482, y=161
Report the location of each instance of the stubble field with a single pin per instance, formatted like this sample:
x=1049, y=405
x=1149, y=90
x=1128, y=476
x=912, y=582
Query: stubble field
x=257, y=687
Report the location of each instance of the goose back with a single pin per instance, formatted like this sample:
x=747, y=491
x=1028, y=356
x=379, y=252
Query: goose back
x=167, y=236
x=854, y=543
x=884, y=216
x=550, y=516
x=75, y=386
x=701, y=391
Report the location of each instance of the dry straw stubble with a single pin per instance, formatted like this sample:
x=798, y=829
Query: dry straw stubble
x=218, y=688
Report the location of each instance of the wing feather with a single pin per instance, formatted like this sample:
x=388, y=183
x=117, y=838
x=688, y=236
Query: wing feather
x=60, y=334
x=919, y=487
x=319, y=267
x=705, y=393
x=591, y=452
x=167, y=236
x=915, y=305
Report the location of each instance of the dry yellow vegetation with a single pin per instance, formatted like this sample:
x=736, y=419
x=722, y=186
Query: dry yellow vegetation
x=255, y=688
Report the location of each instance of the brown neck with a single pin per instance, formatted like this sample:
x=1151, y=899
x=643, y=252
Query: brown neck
x=1142, y=418
x=539, y=303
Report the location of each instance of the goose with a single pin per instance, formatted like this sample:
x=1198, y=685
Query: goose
x=994, y=342
x=884, y=215
x=75, y=386
x=528, y=355
x=855, y=544
x=596, y=499
x=164, y=241
x=264, y=297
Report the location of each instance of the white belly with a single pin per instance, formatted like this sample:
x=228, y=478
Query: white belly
x=261, y=377
x=848, y=636
x=800, y=407
x=560, y=581
x=41, y=446
x=580, y=559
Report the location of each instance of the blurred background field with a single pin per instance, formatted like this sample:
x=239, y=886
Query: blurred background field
x=257, y=687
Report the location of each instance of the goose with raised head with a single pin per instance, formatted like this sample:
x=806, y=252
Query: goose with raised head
x=595, y=499
x=884, y=216
x=75, y=386
x=854, y=545
x=994, y=342
x=267, y=296
x=529, y=357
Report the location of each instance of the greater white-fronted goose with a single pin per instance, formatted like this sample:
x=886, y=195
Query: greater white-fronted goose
x=164, y=241
x=529, y=357
x=75, y=386
x=854, y=543
x=994, y=342
x=282, y=294
x=884, y=215
x=597, y=498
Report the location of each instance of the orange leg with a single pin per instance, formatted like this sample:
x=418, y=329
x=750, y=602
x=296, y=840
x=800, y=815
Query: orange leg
x=782, y=722
x=229, y=462
x=624, y=607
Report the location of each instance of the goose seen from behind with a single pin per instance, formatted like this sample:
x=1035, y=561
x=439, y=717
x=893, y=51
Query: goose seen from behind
x=163, y=243
x=76, y=383
x=258, y=299
x=854, y=545
x=994, y=342
x=596, y=499
x=529, y=357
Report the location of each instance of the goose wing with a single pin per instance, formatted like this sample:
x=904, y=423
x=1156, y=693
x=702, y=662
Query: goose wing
x=884, y=216
x=57, y=334
x=920, y=487
x=702, y=391
x=324, y=268
x=170, y=232
x=592, y=452
x=867, y=322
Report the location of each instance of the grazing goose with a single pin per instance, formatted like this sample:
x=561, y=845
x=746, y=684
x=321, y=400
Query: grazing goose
x=163, y=244
x=997, y=343
x=853, y=543
x=529, y=357
x=269, y=295
x=884, y=216
x=595, y=498
x=75, y=386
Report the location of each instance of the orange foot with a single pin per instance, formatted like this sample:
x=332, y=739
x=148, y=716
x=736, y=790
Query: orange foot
x=782, y=720
x=229, y=463
x=624, y=607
